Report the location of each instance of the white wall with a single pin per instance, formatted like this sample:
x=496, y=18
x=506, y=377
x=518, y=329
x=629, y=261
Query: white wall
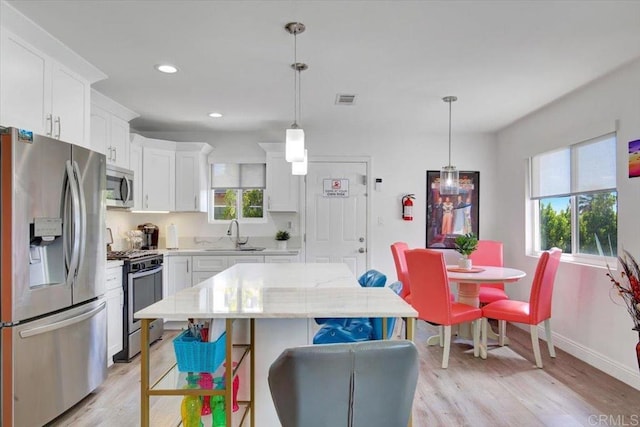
x=585, y=321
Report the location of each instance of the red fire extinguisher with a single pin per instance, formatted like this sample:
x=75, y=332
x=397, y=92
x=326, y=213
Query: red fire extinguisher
x=407, y=207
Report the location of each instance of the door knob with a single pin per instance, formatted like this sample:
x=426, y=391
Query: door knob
x=362, y=250
x=361, y=239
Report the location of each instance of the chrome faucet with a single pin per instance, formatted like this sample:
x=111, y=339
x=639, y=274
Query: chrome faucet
x=238, y=242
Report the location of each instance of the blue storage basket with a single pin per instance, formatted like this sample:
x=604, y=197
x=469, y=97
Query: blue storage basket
x=198, y=356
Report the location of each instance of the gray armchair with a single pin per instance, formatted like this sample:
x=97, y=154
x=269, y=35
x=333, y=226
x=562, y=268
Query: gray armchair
x=364, y=384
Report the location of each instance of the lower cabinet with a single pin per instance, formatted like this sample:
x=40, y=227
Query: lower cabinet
x=115, y=305
x=280, y=258
x=184, y=271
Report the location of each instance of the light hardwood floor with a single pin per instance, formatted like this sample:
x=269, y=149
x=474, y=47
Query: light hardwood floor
x=504, y=390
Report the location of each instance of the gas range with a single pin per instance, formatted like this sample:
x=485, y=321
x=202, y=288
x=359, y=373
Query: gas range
x=130, y=254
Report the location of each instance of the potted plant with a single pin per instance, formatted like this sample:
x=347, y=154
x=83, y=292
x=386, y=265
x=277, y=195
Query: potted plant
x=281, y=239
x=465, y=245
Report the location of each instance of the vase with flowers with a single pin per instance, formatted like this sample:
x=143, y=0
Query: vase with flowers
x=627, y=286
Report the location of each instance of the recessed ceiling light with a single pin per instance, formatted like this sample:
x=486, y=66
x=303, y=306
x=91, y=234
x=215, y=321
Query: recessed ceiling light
x=215, y=115
x=166, y=68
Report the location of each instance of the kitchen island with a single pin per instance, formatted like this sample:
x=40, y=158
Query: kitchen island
x=267, y=308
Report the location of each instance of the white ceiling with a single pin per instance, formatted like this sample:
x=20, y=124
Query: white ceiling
x=503, y=59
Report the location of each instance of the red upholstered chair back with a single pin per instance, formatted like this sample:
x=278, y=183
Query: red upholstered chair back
x=542, y=288
x=430, y=294
x=489, y=252
x=398, y=250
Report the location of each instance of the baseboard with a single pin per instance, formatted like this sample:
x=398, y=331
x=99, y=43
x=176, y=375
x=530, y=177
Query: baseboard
x=593, y=358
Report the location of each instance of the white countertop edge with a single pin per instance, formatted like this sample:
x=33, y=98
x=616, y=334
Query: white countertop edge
x=222, y=252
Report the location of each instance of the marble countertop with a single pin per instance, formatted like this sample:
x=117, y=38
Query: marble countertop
x=225, y=252
x=280, y=290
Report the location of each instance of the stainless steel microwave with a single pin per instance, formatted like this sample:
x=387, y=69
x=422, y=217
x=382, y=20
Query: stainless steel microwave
x=119, y=187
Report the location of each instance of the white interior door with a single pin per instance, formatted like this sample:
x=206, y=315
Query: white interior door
x=336, y=214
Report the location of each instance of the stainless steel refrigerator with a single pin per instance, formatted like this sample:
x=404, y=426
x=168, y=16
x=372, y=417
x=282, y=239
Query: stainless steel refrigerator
x=52, y=265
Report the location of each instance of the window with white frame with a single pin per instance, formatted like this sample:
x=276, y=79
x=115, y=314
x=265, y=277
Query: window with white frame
x=237, y=192
x=574, y=198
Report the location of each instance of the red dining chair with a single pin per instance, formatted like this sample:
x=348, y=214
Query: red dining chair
x=537, y=310
x=398, y=249
x=431, y=297
x=489, y=252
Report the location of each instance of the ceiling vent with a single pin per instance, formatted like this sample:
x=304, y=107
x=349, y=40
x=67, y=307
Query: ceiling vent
x=342, y=99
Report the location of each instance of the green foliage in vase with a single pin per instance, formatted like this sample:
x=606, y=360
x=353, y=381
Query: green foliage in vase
x=466, y=244
x=282, y=235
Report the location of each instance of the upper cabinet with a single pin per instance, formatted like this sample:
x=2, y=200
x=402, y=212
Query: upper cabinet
x=40, y=94
x=282, y=186
x=174, y=175
x=110, y=129
x=158, y=179
x=44, y=86
x=191, y=177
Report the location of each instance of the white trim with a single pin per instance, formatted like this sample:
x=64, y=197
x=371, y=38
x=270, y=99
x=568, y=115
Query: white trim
x=627, y=375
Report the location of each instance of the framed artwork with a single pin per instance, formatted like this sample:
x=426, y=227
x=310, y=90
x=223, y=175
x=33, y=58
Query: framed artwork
x=449, y=216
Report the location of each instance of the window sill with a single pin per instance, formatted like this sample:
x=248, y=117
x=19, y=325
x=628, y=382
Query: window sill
x=600, y=262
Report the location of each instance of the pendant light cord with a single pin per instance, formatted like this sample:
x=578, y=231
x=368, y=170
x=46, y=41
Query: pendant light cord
x=295, y=79
x=449, y=133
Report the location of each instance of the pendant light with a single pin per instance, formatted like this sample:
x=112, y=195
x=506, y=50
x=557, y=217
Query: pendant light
x=294, y=137
x=449, y=183
x=300, y=168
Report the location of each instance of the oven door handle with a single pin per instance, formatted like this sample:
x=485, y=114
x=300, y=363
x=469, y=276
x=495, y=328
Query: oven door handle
x=144, y=273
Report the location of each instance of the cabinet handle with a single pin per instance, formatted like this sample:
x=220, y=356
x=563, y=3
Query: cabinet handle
x=115, y=154
x=50, y=124
x=57, y=120
x=195, y=202
x=146, y=201
x=187, y=266
x=269, y=202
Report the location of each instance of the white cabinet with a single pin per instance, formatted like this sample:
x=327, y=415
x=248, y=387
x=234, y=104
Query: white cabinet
x=179, y=270
x=172, y=175
x=70, y=101
x=206, y=266
x=110, y=129
x=233, y=260
x=42, y=95
x=191, y=180
x=186, y=271
x=281, y=258
x=115, y=304
x=282, y=187
x=158, y=179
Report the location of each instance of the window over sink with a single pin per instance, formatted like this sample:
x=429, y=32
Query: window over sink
x=237, y=192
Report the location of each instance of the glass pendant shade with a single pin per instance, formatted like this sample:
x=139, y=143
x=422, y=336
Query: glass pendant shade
x=294, y=145
x=449, y=184
x=299, y=168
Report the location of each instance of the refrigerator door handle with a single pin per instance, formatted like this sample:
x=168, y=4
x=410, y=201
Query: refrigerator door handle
x=72, y=233
x=63, y=323
x=82, y=235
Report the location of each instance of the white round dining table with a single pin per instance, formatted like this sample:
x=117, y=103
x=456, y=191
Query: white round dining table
x=469, y=290
x=469, y=282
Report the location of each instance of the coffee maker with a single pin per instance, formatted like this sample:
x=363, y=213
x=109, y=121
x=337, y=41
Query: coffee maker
x=149, y=236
